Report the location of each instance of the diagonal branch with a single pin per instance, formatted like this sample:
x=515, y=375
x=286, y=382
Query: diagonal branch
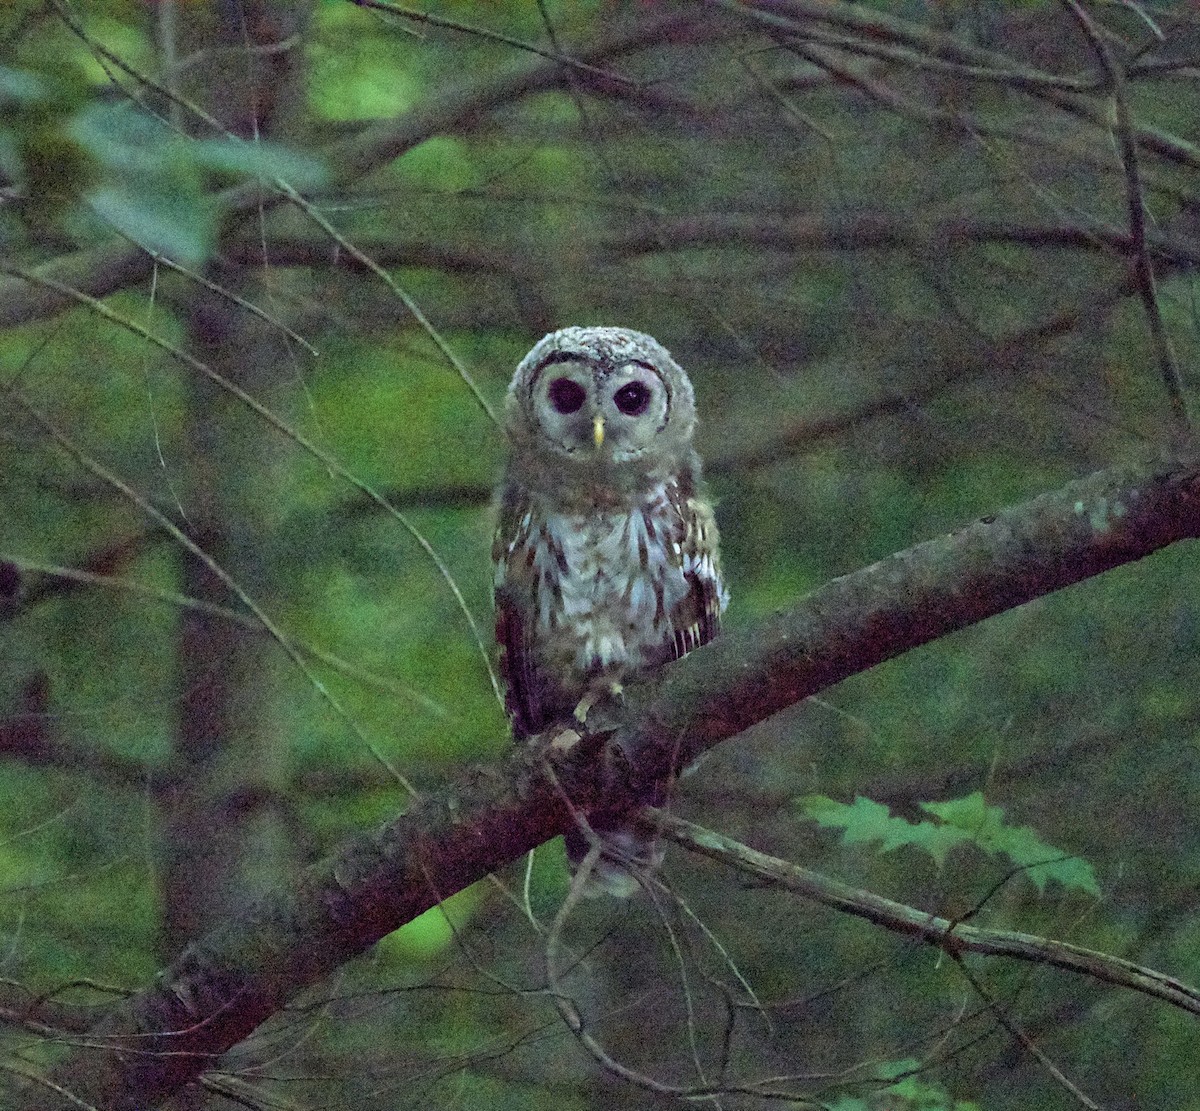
x=227, y=983
x=952, y=936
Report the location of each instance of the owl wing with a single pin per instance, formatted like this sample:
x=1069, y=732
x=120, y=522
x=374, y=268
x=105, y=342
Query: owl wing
x=696, y=617
x=517, y=667
x=527, y=696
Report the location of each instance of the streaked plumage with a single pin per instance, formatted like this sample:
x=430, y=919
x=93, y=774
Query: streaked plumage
x=606, y=553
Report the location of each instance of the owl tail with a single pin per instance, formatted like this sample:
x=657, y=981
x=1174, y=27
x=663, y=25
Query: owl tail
x=621, y=849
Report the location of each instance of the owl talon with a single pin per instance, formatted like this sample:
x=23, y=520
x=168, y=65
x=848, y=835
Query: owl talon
x=584, y=708
x=563, y=741
x=615, y=692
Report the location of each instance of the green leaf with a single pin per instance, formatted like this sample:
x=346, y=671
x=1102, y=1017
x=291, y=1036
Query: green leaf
x=962, y=821
x=260, y=159
x=18, y=86
x=179, y=227
x=911, y=1092
x=125, y=140
x=984, y=825
x=865, y=821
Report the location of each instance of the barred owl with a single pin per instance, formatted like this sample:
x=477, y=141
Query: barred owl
x=606, y=550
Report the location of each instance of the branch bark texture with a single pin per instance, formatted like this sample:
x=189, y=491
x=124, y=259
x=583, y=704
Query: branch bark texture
x=227, y=983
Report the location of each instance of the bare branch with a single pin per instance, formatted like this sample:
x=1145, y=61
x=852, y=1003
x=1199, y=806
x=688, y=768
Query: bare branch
x=1136, y=201
x=483, y=33
x=796, y=16
x=951, y=936
x=750, y=231
x=891, y=231
x=1023, y=1039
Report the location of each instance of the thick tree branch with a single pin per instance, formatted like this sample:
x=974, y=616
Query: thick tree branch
x=226, y=984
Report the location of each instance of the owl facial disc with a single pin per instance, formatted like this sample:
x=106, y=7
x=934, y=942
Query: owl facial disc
x=601, y=398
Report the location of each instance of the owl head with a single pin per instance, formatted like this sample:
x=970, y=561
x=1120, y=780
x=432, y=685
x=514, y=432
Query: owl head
x=600, y=402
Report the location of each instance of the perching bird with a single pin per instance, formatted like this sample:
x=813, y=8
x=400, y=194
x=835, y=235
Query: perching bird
x=606, y=550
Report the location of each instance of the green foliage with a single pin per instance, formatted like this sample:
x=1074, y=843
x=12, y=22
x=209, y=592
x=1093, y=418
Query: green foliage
x=229, y=160
x=154, y=185
x=77, y=158
x=355, y=74
x=865, y=821
x=38, y=153
x=965, y=821
x=910, y=1091
x=854, y=400
x=430, y=934
x=444, y=164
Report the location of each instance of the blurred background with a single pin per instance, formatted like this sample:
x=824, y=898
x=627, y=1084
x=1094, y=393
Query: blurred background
x=266, y=266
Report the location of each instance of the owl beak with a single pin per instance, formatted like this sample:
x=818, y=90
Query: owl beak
x=598, y=431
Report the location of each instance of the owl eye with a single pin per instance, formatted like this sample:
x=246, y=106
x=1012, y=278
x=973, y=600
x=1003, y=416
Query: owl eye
x=566, y=396
x=633, y=399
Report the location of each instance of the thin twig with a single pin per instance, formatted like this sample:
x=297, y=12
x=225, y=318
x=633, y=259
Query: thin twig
x=259, y=409
x=84, y=577
x=796, y=17
x=555, y=55
x=183, y=540
x=45, y=1082
x=948, y=935
x=363, y=259
x=1136, y=200
x=1011, y=1025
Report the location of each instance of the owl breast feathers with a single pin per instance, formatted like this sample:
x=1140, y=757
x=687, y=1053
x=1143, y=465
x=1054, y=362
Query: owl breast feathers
x=606, y=553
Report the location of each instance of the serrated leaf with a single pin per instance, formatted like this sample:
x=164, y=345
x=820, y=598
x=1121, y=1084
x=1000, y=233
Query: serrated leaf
x=984, y=826
x=865, y=821
x=962, y=821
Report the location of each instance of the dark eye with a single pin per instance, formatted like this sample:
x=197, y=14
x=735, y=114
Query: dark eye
x=633, y=399
x=566, y=396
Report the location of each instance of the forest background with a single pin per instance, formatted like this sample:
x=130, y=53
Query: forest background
x=267, y=269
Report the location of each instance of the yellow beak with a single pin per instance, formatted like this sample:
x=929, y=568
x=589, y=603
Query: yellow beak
x=598, y=431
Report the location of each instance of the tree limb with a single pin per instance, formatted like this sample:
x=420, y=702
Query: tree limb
x=952, y=936
x=227, y=983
